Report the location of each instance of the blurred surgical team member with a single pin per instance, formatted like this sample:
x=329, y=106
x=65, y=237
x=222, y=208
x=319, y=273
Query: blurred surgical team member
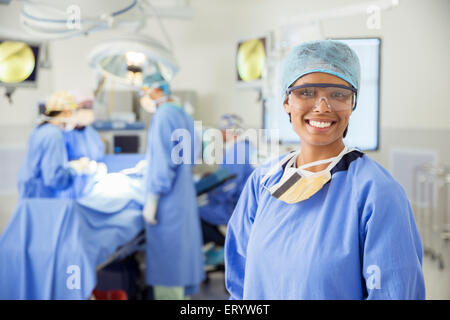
x=45, y=172
x=218, y=205
x=173, y=252
x=84, y=141
x=83, y=145
x=325, y=222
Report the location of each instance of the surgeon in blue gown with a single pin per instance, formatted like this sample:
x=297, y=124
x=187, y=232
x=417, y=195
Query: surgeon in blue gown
x=239, y=157
x=173, y=251
x=45, y=172
x=84, y=140
x=326, y=221
x=83, y=143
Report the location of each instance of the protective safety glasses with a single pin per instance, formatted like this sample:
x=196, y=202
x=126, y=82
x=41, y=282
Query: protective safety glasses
x=338, y=97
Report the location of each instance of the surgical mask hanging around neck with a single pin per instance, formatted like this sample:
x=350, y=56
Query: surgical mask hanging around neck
x=299, y=184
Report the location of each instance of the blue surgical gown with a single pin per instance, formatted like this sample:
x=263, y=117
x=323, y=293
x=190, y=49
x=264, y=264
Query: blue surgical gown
x=221, y=201
x=84, y=142
x=45, y=172
x=81, y=143
x=173, y=251
x=45, y=238
x=354, y=239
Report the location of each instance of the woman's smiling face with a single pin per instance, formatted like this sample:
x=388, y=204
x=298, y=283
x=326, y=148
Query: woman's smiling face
x=318, y=126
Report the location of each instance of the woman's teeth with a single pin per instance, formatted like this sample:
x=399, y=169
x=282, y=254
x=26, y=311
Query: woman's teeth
x=318, y=124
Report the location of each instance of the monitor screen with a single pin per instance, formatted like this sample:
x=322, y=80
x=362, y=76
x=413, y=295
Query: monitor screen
x=251, y=56
x=126, y=144
x=363, y=131
x=18, y=63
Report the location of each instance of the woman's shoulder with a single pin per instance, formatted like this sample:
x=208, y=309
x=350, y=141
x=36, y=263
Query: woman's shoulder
x=168, y=108
x=379, y=194
x=171, y=113
x=48, y=133
x=368, y=173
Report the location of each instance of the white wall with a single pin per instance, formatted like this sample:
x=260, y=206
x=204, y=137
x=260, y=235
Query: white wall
x=415, y=51
x=414, y=75
x=414, y=54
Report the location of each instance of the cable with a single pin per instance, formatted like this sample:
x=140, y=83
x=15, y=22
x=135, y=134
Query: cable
x=160, y=23
x=126, y=9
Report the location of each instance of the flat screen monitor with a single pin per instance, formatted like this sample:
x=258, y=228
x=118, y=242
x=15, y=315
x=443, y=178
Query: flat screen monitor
x=19, y=63
x=250, y=62
x=363, y=131
x=126, y=144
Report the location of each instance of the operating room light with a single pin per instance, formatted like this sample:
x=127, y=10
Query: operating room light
x=135, y=62
x=129, y=60
x=135, y=59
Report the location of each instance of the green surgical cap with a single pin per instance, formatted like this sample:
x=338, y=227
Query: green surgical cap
x=328, y=56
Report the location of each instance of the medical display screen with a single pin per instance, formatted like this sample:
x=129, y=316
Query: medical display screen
x=126, y=144
x=250, y=62
x=18, y=63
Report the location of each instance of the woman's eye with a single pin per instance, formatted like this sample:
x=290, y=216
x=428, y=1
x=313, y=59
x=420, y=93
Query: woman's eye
x=339, y=95
x=306, y=93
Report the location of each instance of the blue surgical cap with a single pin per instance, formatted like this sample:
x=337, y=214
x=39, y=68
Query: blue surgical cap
x=328, y=56
x=156, y=80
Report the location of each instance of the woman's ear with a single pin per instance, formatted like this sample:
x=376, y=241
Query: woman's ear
x=287, y=107
x=286, y=104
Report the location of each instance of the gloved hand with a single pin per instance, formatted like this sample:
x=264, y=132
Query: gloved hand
x=150, y=207
x=81, y=165
x=85, y=166
x=92, y=167
x=139, y=168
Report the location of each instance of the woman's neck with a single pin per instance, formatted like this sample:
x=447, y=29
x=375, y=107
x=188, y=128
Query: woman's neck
x=311, y=153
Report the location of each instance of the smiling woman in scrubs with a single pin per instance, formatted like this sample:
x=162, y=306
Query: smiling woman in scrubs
x=325, y=222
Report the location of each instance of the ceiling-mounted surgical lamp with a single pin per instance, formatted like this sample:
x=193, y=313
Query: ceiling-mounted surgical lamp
x=56, y=19
x=129, y=59
x=47, y=20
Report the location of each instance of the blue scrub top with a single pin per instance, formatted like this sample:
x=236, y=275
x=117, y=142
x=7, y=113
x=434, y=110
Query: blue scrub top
x=84, y=142
x=173, y=246
x=222, y=201
x=354, y=239
x=45, y=172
